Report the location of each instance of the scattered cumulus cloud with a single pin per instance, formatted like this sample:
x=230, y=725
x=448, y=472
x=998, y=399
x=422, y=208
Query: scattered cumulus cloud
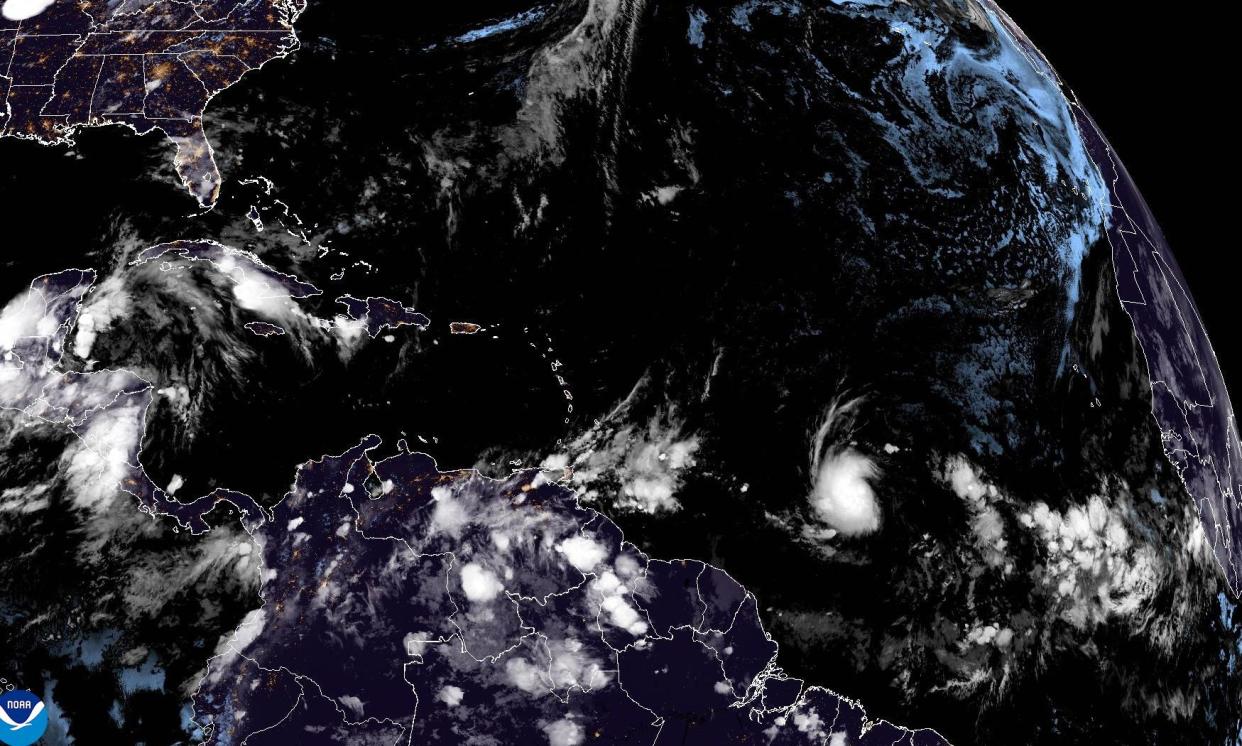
x=450, y=695
x=637, y=468
x=351, y=703
x=523, y=675
x=573, y=668
x=564, y=732
x=1091, y=561
x=983, y=500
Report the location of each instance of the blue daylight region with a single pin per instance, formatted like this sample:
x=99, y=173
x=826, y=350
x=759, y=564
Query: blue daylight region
x=518, y=21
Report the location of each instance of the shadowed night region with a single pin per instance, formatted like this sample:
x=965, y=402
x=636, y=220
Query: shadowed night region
x=597, y=371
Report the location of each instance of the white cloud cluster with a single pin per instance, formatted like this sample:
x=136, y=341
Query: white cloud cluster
x=450, y=695
x=609, y=592
x=24, y=499
x=415, y=643
x=564, y=732
x=255, y=287
x=810, y=724
x=480, y=584
x=569, y=665
x=842, y=495
x=102, y=427
x=525, y=676
x=108, y=302
x=573, y=668
x=987, y=525
x=20, y=10
x=1091, y=565
x=1091, y=561
x=583, y=553
x=349, y=333
x=989, y=634
x=20, y=386
x=231, y=646
x=254, y=290
x=449, y=515
x=648, y=465
x=352, y=703
x=24, y=316
x=105, y=453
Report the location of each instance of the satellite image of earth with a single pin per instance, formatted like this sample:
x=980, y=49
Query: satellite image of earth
x=594, y=372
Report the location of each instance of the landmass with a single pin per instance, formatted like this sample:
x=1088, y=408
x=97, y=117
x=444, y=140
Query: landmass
x=264, y=329
x=464, y=327
x=377, y=314
x=466, y=609
x=274, y=296
x=254, y=280
x=105, y=410
x=144, y=64
x=454, y=606
x=1190, y=403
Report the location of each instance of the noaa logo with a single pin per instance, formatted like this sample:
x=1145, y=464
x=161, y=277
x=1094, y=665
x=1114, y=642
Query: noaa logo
x=23, y=718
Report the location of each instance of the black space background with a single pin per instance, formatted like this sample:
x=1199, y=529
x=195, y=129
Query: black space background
x=1158, y=78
